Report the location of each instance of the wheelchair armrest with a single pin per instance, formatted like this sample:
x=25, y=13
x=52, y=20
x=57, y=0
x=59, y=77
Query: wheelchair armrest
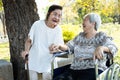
x=61, y=54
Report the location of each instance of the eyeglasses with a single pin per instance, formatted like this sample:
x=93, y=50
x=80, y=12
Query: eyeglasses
x=56, y=14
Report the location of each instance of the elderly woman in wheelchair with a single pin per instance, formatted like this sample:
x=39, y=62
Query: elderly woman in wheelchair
x=86, y=47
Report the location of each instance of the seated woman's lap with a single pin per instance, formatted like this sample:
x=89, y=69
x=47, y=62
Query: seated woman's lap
x=87, y=74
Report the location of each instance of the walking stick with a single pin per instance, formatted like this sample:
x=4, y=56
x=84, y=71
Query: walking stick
x=96, y=69
x=26, y=61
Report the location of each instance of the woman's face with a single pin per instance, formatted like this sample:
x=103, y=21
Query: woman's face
x=87, y=26
x=55, y=17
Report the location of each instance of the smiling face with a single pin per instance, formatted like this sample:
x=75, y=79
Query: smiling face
x=54, y=18
x=87, y=25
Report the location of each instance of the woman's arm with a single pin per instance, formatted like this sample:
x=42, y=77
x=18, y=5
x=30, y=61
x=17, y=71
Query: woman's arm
x=63, y=47
x=56, y=48
x=28, y=44
x=27, y=47
x=99, y=51
x=107, y=48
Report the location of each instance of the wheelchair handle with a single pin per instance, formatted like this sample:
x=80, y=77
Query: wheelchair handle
x=61, y=53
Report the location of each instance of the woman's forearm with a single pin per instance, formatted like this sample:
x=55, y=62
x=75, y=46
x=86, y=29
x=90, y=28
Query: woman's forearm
x=27, y=44
x=63, y=47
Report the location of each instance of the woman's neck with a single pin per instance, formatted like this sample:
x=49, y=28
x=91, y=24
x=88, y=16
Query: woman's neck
x=49, y=24
x=90, y=35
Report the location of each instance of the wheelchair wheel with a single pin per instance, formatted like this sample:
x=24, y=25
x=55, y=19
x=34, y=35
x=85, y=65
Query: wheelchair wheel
x=108, y=74
x=115, y=75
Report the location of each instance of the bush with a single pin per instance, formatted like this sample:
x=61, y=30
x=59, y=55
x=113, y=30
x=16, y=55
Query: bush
x=69, y=31
x=106, y=19
x=68, y=35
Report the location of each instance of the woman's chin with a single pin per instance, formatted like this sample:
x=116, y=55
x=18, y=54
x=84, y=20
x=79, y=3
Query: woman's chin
x=55, y=24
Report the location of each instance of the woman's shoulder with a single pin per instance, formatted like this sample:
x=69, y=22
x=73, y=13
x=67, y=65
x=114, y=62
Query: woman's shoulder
x=39, y=21
x=81, y=34
x=36, y=23
x=102, y=35
x=79, y=37
x=99, y=38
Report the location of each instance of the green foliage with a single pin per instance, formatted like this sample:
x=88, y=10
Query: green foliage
x=106, y=19
x=106, y=8
x=68, y=35
x=83, y=7
x=75, y=11
x=69, y=31
x=1, y=5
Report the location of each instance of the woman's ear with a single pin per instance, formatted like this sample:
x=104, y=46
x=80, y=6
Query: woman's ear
x=94, y=23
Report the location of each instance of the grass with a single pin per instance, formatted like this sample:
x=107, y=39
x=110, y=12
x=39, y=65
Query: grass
x=4, y=51
x=113, y=30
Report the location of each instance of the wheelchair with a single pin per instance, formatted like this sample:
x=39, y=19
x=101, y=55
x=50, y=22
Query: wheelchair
x=111, y=73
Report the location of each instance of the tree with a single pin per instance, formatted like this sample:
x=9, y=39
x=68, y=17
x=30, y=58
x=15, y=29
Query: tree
x=19, y=15
x=83, y=7
x=119, y=11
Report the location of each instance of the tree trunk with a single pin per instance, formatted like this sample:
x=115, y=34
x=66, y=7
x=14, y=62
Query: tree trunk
x=19, y=15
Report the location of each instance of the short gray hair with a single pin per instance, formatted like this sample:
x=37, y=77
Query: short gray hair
x=94, y=17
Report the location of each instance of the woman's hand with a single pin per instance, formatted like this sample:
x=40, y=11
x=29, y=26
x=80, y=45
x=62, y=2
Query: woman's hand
x=54, y=48
x=24, y=53
x=98, y=54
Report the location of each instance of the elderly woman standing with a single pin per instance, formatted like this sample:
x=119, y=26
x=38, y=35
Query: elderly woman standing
x=41, y=35
x=87, y=46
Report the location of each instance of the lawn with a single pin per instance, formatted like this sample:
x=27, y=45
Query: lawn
x=4, y=51
x=113, y=30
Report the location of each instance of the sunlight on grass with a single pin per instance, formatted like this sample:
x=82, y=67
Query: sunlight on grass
x=113, y=30
x=4, y=51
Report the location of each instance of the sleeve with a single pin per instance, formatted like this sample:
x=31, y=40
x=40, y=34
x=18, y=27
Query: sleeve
x=32, y=32
x=110, y=44
x=71, y=43
x=59, y=37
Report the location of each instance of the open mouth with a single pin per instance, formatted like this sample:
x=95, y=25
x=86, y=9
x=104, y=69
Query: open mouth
x=55, y=21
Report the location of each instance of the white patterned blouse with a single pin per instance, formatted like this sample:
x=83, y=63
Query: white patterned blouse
x=83, y=49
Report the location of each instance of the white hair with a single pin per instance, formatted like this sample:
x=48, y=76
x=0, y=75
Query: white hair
x=94, y=17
